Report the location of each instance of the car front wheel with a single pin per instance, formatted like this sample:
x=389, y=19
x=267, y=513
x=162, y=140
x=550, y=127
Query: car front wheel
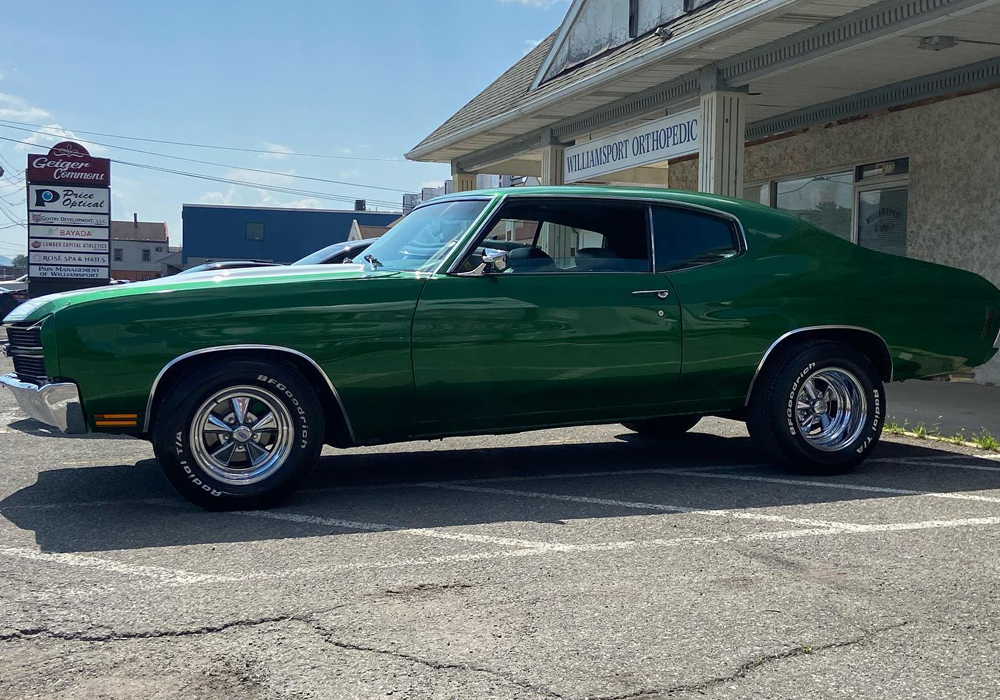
x=240, y=434
x=819, y=408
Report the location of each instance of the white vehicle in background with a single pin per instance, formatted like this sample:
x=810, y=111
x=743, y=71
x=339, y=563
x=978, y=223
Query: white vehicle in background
x=15, y=285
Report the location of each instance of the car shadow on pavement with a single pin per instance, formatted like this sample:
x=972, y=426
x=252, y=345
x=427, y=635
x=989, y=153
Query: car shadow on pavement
x=30, y=426
x=99, y=508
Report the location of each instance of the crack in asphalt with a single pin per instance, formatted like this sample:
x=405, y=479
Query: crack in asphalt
x=113, y=636
x=307, y=619
x=328, y=637
x=748, y=667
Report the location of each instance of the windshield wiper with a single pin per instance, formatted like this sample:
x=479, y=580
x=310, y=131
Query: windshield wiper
x=373, y=261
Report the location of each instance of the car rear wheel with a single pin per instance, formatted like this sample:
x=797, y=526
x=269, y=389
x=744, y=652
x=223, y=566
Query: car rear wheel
x=238, y=434
x=818, y=408
x=669, y=427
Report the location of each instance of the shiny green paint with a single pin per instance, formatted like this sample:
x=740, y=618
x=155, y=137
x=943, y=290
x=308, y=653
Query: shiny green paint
x=430, y=355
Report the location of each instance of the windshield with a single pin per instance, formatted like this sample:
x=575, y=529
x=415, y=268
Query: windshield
x=424, y=238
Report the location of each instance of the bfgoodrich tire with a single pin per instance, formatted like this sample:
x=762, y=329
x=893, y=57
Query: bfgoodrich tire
x=818, y=408
x=239, y=435
x=663, y=428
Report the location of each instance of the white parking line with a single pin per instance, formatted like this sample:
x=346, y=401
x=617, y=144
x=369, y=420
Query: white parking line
x=161, y=574
x=739, y=514
x=417, y=532
x=927, y=462
x=842, y=486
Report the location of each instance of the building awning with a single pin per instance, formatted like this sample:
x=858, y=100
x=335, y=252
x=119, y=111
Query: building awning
x=792, y=55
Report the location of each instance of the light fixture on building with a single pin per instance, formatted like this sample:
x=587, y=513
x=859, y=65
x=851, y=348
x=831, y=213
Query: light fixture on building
x=937, y=42
x=664, y=33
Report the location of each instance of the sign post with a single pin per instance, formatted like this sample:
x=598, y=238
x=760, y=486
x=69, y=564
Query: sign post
x=69, y=220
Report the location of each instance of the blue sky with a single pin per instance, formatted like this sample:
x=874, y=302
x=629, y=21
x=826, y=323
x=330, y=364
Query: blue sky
x=361, y=79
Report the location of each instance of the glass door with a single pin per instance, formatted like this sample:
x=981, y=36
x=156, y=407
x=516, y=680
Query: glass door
x=881, y=217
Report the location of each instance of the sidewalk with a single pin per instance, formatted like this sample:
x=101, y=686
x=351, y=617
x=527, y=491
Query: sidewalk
x=945, y=407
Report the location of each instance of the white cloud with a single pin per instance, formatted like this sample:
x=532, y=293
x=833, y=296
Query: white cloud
x=17, y=109
x=347, y=174
x=277, y=151
x=52, y=134
x=529, y=44
x=237, y=195
x=432, y=183
x=345, y=151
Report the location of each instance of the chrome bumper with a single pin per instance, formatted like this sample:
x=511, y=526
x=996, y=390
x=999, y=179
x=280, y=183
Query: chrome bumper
x=55, y=404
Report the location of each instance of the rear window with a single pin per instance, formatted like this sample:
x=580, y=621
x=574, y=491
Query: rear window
x=684, y=238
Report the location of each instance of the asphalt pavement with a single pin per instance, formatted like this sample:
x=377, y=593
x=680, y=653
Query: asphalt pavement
x=575, y=563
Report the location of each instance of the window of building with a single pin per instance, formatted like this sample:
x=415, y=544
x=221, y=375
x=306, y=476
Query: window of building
x=683, y=239
x=255, y=231
x=555, y=236
x=824, y=200
x=159, y=249
x=119, y=254
x=146, y=255
x=867, y=204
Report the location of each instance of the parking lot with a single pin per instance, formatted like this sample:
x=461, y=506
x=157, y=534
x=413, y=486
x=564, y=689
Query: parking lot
x=577, y=563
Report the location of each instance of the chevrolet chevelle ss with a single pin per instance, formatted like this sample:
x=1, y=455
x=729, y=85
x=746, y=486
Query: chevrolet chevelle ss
x=500, y=311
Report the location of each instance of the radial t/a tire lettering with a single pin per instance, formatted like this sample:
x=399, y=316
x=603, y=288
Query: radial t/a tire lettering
x=240, y=434
x=818, y=408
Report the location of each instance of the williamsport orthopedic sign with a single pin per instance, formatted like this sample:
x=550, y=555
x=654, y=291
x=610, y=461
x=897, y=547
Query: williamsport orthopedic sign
x=663, y=139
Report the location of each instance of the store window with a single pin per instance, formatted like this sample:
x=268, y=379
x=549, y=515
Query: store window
x=255, y=231
x=824, y=200
x=867, y=204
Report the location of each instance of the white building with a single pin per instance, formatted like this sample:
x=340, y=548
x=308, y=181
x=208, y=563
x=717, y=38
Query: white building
x=873, y=119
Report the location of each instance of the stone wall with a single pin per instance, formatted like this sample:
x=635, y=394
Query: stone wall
x=954, y=201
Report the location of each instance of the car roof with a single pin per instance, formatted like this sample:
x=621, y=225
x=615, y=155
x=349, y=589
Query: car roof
x=729, y=205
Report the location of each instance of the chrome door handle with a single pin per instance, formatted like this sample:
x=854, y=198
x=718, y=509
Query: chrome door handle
x=660, y=293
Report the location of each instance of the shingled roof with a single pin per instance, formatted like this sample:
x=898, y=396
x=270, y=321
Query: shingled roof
x=513, y=89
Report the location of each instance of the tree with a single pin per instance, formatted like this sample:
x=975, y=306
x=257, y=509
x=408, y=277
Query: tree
x=19, y=261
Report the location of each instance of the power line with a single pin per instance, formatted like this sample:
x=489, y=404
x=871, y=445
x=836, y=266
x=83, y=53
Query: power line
x=215, y=147
x=241, y=183
x=219, y=165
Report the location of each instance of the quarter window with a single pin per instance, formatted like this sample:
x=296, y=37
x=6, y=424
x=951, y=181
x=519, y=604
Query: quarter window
x=685, y=238
x=555, y=236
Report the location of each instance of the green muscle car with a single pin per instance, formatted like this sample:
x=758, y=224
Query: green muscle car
x=499, y=311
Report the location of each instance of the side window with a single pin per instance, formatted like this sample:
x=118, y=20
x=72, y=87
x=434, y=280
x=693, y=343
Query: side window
x=558, y=236
x=684, y=238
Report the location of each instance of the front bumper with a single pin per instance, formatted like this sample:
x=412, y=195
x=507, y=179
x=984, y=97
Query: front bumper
x=57, y=404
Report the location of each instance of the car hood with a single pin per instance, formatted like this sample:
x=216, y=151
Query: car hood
x=35, y=309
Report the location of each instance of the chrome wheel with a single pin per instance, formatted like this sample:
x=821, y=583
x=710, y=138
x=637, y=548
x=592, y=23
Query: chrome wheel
x=241, y=435
x=831, y=408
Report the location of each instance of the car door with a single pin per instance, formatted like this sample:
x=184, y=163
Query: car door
x=577, y=327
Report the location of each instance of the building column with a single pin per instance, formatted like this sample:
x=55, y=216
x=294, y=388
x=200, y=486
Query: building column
x=461, y=181
x=723, y=133
x=553, y=166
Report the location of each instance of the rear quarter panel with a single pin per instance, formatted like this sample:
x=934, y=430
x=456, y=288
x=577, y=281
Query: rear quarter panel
x=793, y=276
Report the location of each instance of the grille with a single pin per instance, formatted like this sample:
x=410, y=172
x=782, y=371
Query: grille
x=30, y=368
x=25, y=336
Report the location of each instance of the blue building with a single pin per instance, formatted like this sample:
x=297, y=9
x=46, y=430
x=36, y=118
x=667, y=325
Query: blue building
x=216, y=232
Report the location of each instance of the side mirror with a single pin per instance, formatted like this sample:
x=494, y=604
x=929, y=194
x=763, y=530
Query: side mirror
x=494, y=260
